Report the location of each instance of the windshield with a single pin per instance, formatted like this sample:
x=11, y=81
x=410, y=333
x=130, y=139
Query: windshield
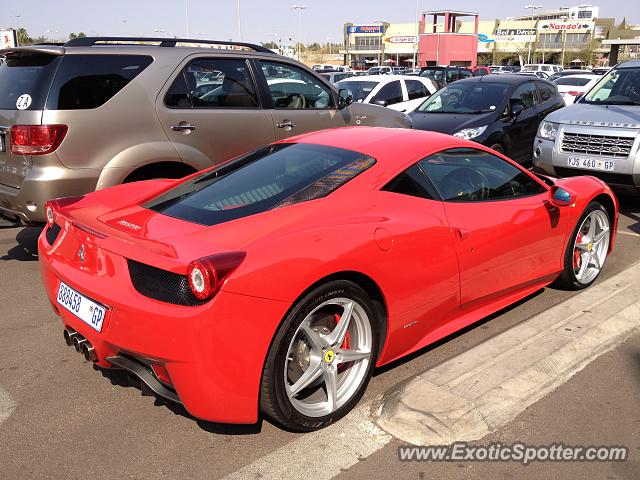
x=471, y=97
x=620, y=86
x=271, y=177
x=359, y=90
x=25, y=79
x=436, y=73
x=374, y=70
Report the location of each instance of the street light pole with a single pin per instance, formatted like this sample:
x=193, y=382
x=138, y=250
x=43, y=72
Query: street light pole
x=533, y=9
x=186, y=16
x=416, y=40
x=239, y=24
x=299, y=8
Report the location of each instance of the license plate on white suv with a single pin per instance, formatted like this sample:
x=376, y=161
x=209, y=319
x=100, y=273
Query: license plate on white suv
x=85, y=309
x=590, y=164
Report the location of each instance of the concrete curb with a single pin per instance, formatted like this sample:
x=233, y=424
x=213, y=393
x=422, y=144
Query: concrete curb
x=486, y=387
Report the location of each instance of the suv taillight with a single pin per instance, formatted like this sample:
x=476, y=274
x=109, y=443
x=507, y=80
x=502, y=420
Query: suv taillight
x=36, y=139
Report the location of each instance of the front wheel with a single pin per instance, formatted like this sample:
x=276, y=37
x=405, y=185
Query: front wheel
x=588, y=249
x=321, y=359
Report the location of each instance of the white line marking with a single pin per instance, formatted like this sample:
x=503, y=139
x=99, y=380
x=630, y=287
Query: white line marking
x=320, y=455
x=631, y=234
x=7, y=405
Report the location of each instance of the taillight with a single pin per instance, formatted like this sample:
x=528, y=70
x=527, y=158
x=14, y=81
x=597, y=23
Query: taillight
x=573, y=93
x=206, y=275
x=36, y=139
x=161, y=373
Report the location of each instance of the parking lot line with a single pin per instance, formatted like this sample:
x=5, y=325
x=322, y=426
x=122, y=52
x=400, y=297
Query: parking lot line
x=486, y=387
x=631, y=234
x=7, y=405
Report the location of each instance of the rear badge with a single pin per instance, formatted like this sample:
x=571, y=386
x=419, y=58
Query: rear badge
x=130, y=225
x=81, y=254
x=23, y=102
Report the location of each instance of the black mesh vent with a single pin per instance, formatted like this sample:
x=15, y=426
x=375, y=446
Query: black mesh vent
x=52, y=233
x=162, y=285
x=613, y=178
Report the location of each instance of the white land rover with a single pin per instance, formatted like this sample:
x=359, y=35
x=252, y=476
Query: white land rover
x=598, y=135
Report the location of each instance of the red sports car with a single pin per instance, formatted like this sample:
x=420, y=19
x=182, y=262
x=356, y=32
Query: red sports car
x=277, y=281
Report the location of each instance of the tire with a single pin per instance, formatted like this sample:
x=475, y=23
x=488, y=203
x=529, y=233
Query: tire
x=498, y=148
x=582, y=250
x=308, y=343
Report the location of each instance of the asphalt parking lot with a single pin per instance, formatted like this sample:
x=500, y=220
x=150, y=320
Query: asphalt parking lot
x=62, y=418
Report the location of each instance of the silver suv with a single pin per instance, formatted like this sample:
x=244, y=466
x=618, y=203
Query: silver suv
x=598, y=135
x=101, y=111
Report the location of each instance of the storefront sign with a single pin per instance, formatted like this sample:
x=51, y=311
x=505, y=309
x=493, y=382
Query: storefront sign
x=400, y=39
x=8, y=39
x=365, y=29
x=515, y=34
x=555, y=26
x=482, y=38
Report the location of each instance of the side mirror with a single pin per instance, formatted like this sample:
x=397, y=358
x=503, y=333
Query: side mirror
x=381, y=103
x=516, y=110
x=560, y=197
x=345, y=97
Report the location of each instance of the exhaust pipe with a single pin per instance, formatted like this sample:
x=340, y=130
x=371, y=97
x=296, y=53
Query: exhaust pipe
x=69, y=335
x=89, y=352
x=78, y=342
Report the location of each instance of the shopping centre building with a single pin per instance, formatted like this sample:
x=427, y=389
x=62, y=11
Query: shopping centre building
x=571, y=35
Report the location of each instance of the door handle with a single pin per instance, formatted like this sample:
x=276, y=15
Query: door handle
x=462, y=233
x=183, y=127
x=286, y=124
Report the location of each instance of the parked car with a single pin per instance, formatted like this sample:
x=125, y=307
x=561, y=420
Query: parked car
x=501, y=69
x=499, y=111
x=565, y=73
x=547, y=68
x=531, y=73
x=380, y=71
x=600, y=71
x=326, y=256
x=597, y=135
x=481, y=70
x=388, y=91
x=335, y=77
x=95, y=113
x=322, y=67
x=444, y=75
x=573, y=86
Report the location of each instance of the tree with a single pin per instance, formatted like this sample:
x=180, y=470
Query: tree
x=23, y=37
x=40, y=39
x=271, y=45
x=77, y=35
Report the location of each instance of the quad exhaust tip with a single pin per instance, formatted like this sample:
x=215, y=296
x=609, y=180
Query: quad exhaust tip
x=81, y=344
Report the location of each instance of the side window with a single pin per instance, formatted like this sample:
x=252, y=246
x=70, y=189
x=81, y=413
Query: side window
x=416, y=89
x=546, y=91
x=524, y=95
x=90, y=81
x=293, y=88
x=411, y=182
x=469, y=175
x=391, y=93
x=464, y=73
x=452, y=75
x=213, y=83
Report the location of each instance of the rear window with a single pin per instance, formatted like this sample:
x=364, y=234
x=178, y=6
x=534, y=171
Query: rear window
x=25, y=79
x=89, y=81
x=573, y=81
x=271, y=177
x=359, y=90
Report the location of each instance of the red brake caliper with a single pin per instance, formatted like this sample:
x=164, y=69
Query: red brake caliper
x=346, y=344
x=576, y=253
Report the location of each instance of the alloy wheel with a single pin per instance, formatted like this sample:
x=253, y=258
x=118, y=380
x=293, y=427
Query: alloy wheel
x=591, y=246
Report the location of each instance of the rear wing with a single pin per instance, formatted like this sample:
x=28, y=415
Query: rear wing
x=43, y=49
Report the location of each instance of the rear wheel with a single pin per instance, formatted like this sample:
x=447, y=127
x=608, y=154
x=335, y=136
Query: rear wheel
x=588, y=249
x=321, y=359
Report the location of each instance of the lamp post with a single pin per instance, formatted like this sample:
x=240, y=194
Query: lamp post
x=239, y=24
x=186, y=16
x=416, y=41
x=533, y=9
x=299, y=8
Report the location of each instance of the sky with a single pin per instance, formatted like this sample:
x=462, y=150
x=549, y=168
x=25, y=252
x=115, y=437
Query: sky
x=273, y=20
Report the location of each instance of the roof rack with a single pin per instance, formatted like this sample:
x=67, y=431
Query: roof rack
x=163, y=42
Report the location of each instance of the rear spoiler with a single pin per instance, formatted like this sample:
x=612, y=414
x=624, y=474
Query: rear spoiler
x=45, y=49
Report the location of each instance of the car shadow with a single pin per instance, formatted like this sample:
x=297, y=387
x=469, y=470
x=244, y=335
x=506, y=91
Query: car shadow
x=448, y=338
x=26, y=248
x=629, y=208
x=121, y=378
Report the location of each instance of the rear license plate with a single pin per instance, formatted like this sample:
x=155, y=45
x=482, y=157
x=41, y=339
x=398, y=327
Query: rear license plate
x=85, y=309
x=590, y=164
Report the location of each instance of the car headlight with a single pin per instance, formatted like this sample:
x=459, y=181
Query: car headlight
x=469, y=133
x=548, y=130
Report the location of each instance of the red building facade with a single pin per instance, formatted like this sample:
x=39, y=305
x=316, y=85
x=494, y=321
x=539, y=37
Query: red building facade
x=440, y=42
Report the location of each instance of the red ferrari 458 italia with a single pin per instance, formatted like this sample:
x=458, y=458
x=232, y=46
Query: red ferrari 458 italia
x=277, y=281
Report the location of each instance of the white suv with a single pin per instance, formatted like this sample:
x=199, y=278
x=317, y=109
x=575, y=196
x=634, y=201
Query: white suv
x=542, y=67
